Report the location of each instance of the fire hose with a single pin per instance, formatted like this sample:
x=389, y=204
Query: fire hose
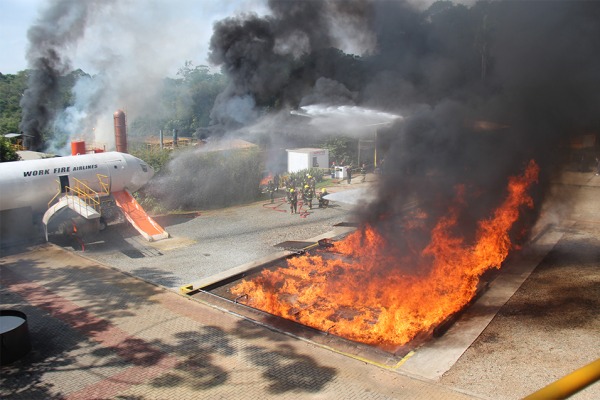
x=274, y=207
x=303, y=214
x=282, y=201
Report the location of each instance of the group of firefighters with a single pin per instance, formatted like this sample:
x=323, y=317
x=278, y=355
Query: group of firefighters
x=307, y=191
x=306, y=188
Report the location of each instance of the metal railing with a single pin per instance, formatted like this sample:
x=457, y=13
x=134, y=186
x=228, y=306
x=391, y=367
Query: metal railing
x=104, y=181
x=83, y=191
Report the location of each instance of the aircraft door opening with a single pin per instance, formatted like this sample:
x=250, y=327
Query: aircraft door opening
x=64, y=183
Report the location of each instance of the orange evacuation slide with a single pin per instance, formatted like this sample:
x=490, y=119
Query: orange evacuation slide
x=136, y=215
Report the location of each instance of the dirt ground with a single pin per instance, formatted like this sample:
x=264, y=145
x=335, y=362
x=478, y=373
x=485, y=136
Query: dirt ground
x=551, y=325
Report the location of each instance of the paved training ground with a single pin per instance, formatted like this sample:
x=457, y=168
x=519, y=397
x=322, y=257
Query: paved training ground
x=111, y=326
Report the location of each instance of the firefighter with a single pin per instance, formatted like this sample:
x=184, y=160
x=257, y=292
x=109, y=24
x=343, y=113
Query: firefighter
x=271, y=189
x=312, y=182
x=307, y=195
x=293, y=200
x=305, y=181
x=322, y=201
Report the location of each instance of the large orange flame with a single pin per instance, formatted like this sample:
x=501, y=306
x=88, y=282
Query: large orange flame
x=265, y=181
x=361, y=293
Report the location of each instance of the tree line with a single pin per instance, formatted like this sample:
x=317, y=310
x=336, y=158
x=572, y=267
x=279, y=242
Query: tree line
x=187, y=99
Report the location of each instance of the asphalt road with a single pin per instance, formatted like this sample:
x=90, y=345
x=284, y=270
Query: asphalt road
x=206, y=243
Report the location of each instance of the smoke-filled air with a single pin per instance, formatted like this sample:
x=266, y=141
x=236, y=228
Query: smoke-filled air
x=459, y=94
x=129, y=47
x=477, y=104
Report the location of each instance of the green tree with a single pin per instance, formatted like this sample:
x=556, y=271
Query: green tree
x=185, y=103
x=156, y=157
x=7, y=151
x=11, y=90
x=342, y=150
x=202, y=87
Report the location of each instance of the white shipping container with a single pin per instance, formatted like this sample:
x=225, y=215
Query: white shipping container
x=300, y=159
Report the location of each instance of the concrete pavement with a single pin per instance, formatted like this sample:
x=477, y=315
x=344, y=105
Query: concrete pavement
x=98, y=333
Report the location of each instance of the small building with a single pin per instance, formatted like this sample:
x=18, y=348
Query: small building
x=305, y=158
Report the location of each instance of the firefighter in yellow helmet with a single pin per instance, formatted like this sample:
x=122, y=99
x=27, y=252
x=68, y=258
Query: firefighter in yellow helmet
x=307, y=195
x=293, y=200
x=322, y=201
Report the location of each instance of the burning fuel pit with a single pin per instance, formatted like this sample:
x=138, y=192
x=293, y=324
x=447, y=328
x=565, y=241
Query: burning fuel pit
x=381, y=294
x=221, y=294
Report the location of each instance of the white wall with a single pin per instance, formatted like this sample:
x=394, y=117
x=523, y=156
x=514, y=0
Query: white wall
x=322, y=158
x=297, y=161
x=303, y=159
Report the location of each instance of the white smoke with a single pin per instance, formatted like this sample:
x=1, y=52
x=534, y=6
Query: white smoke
x=130, y=47
x=425, y=4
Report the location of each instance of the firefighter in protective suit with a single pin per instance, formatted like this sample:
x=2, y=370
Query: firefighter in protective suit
x=322, y=201
x=271, y=190
x=293, y=200
x=307, y=196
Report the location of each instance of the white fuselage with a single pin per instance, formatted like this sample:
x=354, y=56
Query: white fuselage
x=35, y=183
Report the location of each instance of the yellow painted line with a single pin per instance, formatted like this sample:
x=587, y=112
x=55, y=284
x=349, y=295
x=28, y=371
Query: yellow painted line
x=185, y=289
x=404, y=359
x=366, y=360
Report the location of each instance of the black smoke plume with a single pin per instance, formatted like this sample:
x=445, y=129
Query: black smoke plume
x=61, y=25
x=483, y=89
x=528, y=67
x=274, y=61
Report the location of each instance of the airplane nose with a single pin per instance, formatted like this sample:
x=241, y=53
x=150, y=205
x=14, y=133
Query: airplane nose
x=145, y=173
x=141, y=173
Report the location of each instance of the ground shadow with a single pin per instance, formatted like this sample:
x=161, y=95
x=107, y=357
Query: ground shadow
x=24, y=377
x=287, y=370
x=157, y=276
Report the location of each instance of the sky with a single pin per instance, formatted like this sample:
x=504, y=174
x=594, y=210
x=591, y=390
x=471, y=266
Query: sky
x=15, y=17
x=186, y=24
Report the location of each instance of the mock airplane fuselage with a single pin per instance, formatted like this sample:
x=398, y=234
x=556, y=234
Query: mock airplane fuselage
x=34, y=183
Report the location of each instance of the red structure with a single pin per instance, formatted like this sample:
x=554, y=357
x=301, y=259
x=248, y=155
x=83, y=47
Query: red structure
x=120, y=131
x=77, y=147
